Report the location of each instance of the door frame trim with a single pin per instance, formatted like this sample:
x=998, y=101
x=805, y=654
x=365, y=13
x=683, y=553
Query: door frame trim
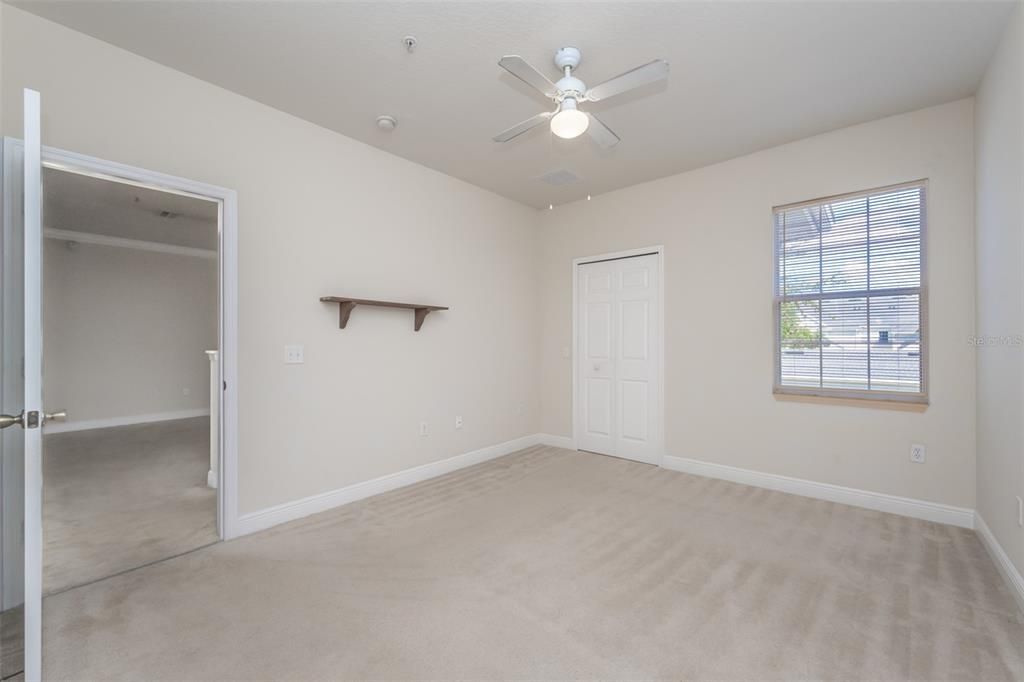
x=659, y=251
x=227, y=497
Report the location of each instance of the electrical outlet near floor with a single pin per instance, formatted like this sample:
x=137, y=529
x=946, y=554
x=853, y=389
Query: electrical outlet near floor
x=458, y=422
x=423, y=428
x=918, y=453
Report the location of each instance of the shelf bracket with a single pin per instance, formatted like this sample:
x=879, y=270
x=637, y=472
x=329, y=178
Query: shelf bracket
x=421, y=314
x=344, y=310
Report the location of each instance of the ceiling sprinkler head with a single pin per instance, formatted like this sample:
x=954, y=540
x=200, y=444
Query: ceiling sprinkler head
x=387, y=123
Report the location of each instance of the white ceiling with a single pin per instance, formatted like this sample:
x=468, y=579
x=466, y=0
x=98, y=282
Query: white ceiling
x=745, y=75
x=82, y=203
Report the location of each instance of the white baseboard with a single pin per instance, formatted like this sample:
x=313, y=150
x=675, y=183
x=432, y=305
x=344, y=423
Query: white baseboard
x=1002, y=561
x=904, y=506
x=88, y=424
x=555, y=441
x=289, y=511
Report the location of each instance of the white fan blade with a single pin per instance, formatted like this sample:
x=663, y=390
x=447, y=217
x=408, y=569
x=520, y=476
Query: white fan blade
x=520, y=128
x=521, y=69
x=641, y=75
x=601, y=133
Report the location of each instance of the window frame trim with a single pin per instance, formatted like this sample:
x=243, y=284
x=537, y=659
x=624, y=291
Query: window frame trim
x=921, y=397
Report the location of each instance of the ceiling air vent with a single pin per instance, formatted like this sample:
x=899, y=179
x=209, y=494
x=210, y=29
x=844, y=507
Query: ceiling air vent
x=559, y=177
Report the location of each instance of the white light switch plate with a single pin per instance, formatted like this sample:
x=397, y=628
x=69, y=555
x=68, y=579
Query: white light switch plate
x=294, y=355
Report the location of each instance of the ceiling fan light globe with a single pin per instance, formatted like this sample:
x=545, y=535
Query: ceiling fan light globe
x=569, y=123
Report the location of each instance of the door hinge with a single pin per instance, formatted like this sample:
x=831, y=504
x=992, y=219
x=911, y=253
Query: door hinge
x=32, y=420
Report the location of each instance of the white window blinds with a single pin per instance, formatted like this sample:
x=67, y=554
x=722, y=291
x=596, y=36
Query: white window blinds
x=849, y=296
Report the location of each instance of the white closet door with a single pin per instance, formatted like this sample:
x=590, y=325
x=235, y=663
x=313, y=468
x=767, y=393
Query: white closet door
x=596, y=375
x=637, y=374
x=619, y=377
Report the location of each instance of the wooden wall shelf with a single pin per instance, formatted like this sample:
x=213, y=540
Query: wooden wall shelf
x=345, y=306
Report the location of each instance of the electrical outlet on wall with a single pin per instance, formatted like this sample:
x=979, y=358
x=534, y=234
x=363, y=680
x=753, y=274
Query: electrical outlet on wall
x=186, y=390
x=294, y=355
x=918, y=453
x=458, y=422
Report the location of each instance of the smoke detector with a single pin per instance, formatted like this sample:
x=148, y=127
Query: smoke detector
x=387, y=123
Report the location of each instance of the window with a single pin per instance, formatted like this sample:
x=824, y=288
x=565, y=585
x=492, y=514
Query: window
x=850, y=301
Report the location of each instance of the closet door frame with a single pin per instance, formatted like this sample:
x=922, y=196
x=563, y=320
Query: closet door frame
x=659, y=251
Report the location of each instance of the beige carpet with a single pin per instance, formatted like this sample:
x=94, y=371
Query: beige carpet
x=12, y=642
x=554, y=564
x=119, y=498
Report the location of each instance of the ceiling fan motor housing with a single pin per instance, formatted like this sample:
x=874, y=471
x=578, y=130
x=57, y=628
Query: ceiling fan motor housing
x=571, y=86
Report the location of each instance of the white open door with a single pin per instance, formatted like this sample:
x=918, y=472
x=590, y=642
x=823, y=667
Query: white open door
x=32, y=420
x=22, y=400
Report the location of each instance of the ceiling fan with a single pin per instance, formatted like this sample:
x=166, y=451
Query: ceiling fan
x=567, y=120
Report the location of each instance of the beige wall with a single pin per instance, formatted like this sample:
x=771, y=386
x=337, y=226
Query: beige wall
x=318, y=214
x=126, y=331
x=999, y=119
x=715, y=224
x=321, y=214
